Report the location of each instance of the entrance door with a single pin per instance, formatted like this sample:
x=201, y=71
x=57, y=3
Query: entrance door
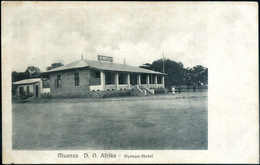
x=37, y=91
x=21, y=91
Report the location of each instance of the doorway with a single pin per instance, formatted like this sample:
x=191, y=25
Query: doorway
x=21, y=91
x=36, y=90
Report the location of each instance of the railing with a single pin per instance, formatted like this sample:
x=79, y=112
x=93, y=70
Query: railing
x=122, y=86
x=95, y=87
x=147, y=90
x=110, y=87
x=152, y=85
x=160, y=85
x=113, y=86
x=46, y=90
x=139, y=89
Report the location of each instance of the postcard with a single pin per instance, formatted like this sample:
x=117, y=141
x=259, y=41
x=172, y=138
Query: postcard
x=130, y=82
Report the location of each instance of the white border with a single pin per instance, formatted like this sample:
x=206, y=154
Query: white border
x=233, y=123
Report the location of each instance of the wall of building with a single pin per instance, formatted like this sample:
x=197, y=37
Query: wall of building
x=68, y=88
x=31, y=91
x=90, y=81
x=39, y=84
x=24, y=89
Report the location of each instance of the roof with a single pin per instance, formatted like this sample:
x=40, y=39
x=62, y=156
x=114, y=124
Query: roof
x=102, y=66
x=27, y=81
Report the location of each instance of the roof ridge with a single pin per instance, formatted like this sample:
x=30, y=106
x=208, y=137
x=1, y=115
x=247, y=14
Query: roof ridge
x=103, y=66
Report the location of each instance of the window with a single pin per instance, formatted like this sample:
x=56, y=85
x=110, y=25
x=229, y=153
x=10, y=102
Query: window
x=109, y=78
x=58, y=81
x=97, y=74
x=76, y=79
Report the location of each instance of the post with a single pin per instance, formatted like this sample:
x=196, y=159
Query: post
x=138, y=79
x=163, y=81
x=17, y=90
x=34, y=90
x=155, y=81
x=40, y=88
x=117, y=80
x=128, y=80
x=147, y=80
x=102, y=80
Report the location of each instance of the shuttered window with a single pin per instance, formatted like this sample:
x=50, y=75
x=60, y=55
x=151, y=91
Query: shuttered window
x=28, y=90
x=58, y=81
x=76, y=79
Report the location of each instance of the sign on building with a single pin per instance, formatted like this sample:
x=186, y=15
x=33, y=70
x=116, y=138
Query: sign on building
x=105, y=58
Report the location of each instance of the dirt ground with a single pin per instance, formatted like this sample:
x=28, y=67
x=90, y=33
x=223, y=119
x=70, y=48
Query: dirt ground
x=156, y=122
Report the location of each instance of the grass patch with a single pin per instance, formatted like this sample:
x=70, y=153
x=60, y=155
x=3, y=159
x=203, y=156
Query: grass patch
x=156, y=122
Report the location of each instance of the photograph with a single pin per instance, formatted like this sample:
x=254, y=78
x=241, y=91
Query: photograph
x=130, y=82
x=108, y=83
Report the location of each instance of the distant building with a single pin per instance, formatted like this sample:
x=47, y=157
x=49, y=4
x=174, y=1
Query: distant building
x=28, y=87
x=34, y=87
x=83, y=75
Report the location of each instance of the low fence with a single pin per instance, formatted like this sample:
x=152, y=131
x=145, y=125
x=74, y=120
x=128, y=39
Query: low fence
x=186, y=88
x=108, y=93
x=46, y=90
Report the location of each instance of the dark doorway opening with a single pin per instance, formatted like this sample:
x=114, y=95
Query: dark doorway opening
x=37, y=91
x=21, y=91
x=133, y=79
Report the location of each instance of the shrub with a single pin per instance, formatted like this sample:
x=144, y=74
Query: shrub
x=135, y=92
x=160, y=91
x=117, y=93
x=46, y=95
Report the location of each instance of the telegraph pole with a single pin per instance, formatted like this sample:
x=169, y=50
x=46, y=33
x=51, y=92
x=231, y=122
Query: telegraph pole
x=163, y=62
x=82, y=57
x=124, y=61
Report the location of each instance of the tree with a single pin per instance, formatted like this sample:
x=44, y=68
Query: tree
x=199, y=75
x=55, y=65
x=17, y=76
x=178, y=75
x=146, y=66
x=32, y=71
x=174, y=71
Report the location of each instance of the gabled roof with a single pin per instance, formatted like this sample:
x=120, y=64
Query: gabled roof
x=102, y=66
x=27, y=81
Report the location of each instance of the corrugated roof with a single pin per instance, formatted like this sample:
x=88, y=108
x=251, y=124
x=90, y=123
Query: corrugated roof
x=27, y=81
x=103, y=66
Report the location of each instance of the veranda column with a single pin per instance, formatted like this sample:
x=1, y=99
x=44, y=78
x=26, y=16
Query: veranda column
x=163, y=81
x=117, y=80
x=40, y=88
x=155, y=81
x=102, y=80
x=17, y=91
x=128, y=80
x=147, y=80
x=138, y=79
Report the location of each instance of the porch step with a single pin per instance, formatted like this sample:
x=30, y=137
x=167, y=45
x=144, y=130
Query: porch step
x=142, y=91
x=136, y=91
x=147, y=91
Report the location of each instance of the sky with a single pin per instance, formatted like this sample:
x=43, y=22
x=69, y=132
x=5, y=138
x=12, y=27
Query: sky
x=40, y=34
